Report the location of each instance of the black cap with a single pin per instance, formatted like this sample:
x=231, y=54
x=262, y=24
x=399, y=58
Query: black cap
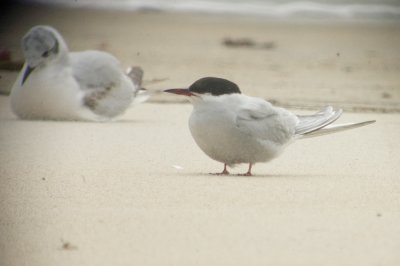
x=214, y=86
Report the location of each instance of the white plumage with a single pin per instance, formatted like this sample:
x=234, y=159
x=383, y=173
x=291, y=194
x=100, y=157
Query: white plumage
x=61, y=85
x=233, y=128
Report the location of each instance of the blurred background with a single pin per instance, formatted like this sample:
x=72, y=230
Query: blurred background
x=284, y=9
x=301, y=54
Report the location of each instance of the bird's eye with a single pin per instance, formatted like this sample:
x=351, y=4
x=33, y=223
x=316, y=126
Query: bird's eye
x=45, y=54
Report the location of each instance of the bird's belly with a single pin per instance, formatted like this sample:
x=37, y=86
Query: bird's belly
x=47, y=96
x=226, y=143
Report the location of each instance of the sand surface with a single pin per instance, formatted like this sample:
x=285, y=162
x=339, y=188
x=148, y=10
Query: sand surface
x=137, y=191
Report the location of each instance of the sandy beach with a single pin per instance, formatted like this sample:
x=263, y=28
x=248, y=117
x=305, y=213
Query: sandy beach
x=138, y=191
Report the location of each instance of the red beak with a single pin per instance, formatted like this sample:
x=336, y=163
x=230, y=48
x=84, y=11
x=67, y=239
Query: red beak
x=184, y=92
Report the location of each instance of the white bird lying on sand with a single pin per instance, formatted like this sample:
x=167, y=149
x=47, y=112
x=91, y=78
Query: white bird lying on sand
x=61, y=85
x=233, y=128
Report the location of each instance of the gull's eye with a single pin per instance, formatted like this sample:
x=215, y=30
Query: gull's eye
x=45, y=54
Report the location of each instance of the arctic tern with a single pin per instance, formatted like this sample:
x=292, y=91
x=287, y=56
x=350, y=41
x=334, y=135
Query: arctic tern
x=61, y=85
x=233, y=128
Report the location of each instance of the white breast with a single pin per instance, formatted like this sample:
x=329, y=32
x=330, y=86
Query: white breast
x=48, y=93
x=215, y=128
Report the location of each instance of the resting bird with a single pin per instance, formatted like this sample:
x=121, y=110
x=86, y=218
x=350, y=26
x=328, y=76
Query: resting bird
x=61, y=85
x=233, y=128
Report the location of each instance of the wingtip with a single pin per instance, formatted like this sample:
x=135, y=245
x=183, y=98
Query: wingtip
x=367, y=122
x=135, y=73
x=338, y=127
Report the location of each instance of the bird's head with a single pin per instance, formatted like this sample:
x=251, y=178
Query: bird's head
x=40, y=45
x=208, y=86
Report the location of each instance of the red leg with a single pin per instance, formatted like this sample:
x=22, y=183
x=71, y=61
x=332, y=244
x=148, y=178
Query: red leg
x=224, y=172
x=248, y=171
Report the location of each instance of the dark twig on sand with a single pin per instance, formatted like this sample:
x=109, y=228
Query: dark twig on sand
x=247, y=43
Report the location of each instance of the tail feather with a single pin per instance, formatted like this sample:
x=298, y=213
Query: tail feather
x=336, y=128
x=135, y=73
x=320, y=123
x=141, y=96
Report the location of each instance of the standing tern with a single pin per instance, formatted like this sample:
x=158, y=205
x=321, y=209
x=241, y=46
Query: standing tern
x=233, y=128
x=61, y=85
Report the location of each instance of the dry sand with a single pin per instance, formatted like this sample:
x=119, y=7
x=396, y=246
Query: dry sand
x=137, y=191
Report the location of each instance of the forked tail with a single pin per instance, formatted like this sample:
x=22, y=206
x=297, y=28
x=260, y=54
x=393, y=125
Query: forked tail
x=320, y=123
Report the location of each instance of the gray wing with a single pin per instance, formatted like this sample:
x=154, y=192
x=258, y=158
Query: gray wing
x=135, y=73
x=266, y=122
x=310, y=123
x=107, y=90
x=95, y=70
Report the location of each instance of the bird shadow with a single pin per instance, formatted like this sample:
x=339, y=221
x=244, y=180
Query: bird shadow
x=255, y=176
x=133, y=121
x=82, y=122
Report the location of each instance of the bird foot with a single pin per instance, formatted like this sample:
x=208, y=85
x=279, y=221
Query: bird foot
x=246, y=174
x=222, y=173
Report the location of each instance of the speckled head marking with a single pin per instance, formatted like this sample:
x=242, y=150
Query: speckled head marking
x=214, y=86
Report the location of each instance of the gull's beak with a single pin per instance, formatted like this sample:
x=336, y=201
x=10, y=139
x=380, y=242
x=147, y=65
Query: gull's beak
x=28, y=71
x=185, y=92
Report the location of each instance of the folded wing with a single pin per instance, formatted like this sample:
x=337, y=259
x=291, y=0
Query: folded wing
x=310, y=123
